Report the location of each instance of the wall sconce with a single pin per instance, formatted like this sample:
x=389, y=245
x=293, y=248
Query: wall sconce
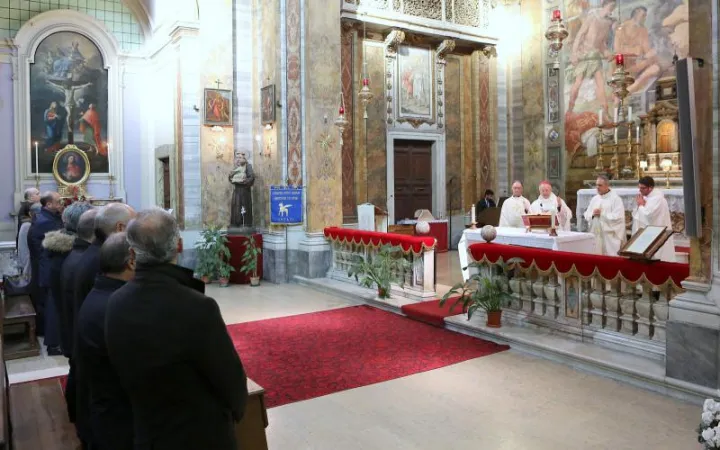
x=268, y=126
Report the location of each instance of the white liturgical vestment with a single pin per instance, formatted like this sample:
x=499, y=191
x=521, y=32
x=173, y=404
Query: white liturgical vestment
x=657, y=213
x=609, y=226
x=546, y=205
x=512, y=211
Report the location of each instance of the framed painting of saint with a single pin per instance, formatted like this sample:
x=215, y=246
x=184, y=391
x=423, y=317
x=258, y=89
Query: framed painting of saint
x=267, y=102
x=218, y=107
x=71, y=166
x=68, y=101
x=415, y=83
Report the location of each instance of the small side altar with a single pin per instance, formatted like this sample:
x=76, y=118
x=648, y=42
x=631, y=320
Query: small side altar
x=566, y=241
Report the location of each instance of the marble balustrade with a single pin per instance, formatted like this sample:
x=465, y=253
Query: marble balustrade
x=419, y=278
x=626, y=316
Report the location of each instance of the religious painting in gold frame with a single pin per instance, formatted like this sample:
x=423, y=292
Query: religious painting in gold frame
x=218, y=107
x=415, y=85
x=646, y=242
x=71, y=166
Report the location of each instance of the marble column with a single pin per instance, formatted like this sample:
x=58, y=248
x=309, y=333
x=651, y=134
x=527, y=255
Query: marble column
x=693, y=326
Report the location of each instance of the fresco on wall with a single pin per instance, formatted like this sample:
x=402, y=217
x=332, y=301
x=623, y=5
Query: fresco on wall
x=648, y=32
x=68, y=101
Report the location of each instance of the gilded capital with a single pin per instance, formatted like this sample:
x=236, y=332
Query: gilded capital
x=395, y=38
x=445, y=47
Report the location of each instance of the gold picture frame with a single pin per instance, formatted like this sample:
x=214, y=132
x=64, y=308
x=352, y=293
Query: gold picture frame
x=646, y=242
x=71, y=167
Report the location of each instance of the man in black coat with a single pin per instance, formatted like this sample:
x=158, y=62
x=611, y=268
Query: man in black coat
x=110, y=219
x=171, y=349
x=48, y=220
x=98, y=388
x=85, y=236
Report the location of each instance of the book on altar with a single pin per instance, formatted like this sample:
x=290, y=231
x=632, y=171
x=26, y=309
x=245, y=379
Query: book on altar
x=539, y=221
x=646, y=242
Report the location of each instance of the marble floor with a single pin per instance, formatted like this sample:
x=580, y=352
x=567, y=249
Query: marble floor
x=503, y=401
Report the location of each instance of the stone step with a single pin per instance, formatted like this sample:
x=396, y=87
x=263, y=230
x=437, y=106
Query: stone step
x=643, y=372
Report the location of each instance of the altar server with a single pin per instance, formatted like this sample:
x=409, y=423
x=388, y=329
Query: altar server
x=606, y=216
x=547, y=202
x=514, y=207
x=652, y=209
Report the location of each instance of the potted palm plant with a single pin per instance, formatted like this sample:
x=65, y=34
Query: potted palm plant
x=481, y=292
x=249, y=261
x=381, y=270
x=213, y=255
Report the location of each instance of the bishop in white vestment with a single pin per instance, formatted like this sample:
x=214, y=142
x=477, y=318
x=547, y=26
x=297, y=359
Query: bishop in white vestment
x=547, y=202
x=606, y=216
x=514, y=208
x=653, y=209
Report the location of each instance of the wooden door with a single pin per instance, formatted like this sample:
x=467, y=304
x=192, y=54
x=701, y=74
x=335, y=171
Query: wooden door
x=413, y=178
x=166, y=182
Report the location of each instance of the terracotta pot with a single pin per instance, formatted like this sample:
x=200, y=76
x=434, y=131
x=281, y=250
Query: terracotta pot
x=224, y=282
x=205, y=279
x=254, y=281
x=494, y=319
x=383, y=293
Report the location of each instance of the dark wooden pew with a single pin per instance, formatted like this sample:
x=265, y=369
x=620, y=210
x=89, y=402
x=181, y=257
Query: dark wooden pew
x=39, y=417
x=250, y=432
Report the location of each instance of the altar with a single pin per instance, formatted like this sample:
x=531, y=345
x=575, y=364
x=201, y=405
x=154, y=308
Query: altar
x=674, y=197
x=566, y=241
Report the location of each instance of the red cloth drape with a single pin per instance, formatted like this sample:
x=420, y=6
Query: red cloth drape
x=609, y=267
x=237, y=245
x=414, y=244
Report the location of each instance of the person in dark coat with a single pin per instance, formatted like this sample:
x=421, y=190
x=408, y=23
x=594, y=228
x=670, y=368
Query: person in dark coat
x=85, y=236
x=487, y=202
x=110, y=219
x=171, y=349
x=49, y=219
x=98, y=387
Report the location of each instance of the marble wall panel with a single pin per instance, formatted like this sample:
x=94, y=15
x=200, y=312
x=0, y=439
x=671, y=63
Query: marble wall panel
x=533, y=98
x=469, y=151
x=692, y=354
x=322, y=89
x=349, y=200
x=453, y=134
x=485, y=160
x=376, y=156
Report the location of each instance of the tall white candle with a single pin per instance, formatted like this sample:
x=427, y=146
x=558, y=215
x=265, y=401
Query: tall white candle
x=472, y=214
x=600, y=115
x=616, y=135
x=37, y=172
x=553, y=212
x=629, y=116
x=616, y=115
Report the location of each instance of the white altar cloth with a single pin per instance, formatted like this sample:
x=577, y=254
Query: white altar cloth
x=565, y=241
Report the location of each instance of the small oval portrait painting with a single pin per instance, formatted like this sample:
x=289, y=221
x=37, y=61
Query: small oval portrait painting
x=71, y=166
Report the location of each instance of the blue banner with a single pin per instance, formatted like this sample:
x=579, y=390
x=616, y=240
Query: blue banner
x=286, y=205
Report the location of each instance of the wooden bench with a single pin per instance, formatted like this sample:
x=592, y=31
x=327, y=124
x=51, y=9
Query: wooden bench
x=39, y=417
x=250, y=431
x=19, y=337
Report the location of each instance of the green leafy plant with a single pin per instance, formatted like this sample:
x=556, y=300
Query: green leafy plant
x=249, y=259
x=481, y=291
x=382, y=269
x=213, y=253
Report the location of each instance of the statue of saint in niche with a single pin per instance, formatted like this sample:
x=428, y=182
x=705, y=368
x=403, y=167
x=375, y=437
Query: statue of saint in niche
x=242, y=177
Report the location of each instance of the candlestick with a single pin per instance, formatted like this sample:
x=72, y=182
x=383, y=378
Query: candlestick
x=342, y=103
x=556, y=15
x=600, y=117
x=37, y=171
x=619, y=59
x=637, y=135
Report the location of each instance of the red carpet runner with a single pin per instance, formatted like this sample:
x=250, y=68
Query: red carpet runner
x=431, y=312
x=310, y=355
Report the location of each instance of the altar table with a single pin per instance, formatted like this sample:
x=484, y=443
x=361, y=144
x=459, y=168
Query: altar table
x=566, y=241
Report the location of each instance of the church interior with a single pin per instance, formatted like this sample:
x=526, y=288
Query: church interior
x=425, y=223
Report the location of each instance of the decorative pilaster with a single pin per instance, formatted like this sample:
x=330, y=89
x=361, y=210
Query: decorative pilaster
x=294, y=95
x=349, y=198
x=445, y=47
x=392, y=41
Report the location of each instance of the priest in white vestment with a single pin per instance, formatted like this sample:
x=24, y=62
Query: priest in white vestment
x=606, y=216
x=653, y=209
x=547, y=202
x=514, y=208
